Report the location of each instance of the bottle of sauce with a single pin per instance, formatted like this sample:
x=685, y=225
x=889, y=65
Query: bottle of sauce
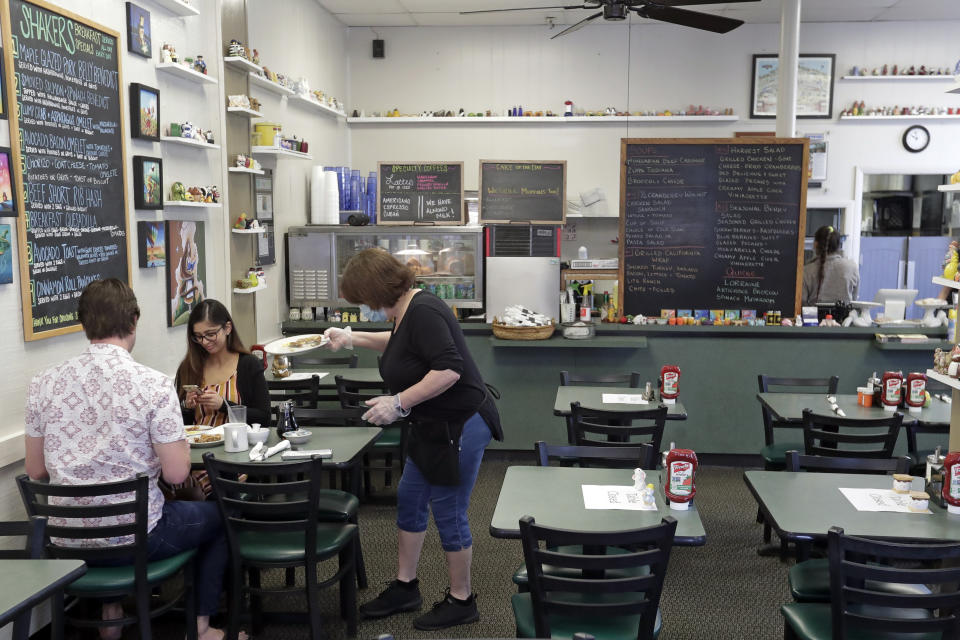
x=681, y=485
x=951, y=482
x=669, y=383
x=891, y=384
x=916, y=391
x=287, y=421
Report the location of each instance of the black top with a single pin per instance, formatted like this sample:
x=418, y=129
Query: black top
x=251, y=389
x=429, y=338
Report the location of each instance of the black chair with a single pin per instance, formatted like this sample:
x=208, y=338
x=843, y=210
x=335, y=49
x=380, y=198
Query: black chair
x=918, y=455
x=304, y=393
x=772, y=451
x=858, y=609
x=568, y=379
x=794, y=461
x=32, y=531
x=272, y=522
x=321, y=359
x=599, y=428
x=134, y=576
x=353, y=394
x=615, y=596
x=643, y=456
x=844, y=437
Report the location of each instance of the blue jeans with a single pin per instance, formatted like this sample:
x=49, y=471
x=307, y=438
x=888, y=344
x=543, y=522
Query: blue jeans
x=416, y=497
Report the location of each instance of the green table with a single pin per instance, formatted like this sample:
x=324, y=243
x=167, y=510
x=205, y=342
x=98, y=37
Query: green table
x=592, y=398
x=553, y=496
x=362, y=374
x=802, y=506
x=26, y=583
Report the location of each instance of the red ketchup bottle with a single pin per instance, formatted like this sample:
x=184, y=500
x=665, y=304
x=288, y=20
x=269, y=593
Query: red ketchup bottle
x=951, y=482
x=669, y=383
x=681, y=486
x=916, y=391
x=890, y=388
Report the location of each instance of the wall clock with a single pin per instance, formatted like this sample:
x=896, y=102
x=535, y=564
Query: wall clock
x=916, y=138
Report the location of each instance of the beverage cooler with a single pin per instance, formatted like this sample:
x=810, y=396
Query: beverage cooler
x=447, y=261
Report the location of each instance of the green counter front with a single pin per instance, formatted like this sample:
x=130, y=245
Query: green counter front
x=718, y=381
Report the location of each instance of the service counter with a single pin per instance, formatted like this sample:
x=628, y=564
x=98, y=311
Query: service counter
x=718, y=381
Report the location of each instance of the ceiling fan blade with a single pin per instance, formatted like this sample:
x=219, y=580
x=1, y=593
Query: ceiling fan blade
x=571, y=6
x=685, y=18
x=576, y=26
x=680, y=3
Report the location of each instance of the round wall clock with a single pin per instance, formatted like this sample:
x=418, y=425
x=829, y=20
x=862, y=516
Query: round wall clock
x=916, y=138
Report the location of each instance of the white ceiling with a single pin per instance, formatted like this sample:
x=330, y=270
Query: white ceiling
x=414, y=13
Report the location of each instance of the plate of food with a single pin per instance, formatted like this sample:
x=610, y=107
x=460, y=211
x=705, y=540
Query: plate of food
x=296, y=344
x=194, y=429
x=202, y=440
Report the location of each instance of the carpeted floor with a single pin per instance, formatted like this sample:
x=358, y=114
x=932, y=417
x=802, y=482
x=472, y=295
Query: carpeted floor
x=721, y=590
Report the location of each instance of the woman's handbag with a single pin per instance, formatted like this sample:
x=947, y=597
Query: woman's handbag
x=435, y=448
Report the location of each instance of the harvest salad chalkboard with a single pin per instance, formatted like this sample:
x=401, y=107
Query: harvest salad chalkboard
x=420, y=193
x=529, y=191
x=712, y=224
x=68, y=144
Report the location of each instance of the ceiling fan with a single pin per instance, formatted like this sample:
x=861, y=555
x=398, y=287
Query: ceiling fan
x=663, y=10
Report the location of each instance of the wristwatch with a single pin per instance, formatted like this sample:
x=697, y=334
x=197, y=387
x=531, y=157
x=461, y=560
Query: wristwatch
x=396, y=405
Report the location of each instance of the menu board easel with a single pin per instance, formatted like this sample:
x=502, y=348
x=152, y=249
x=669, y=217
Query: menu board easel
x=67, y=133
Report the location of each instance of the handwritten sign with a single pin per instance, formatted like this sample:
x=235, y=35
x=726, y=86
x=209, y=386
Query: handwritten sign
x=523, y=191
x=712, y=224
x=420, y=193
x=65, y=83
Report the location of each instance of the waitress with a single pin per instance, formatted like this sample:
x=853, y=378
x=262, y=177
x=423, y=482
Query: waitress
x=829, y=277
x=437, y=386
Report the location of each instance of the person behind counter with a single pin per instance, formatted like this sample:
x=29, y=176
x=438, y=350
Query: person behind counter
x=829, y=277
x=437, y=386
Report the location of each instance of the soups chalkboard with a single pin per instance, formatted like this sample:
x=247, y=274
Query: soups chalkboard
x=712, y=224
x=420, y=193
x=523, y=191
x=65, y=85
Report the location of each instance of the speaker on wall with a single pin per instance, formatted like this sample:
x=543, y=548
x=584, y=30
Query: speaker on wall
x=378, y=49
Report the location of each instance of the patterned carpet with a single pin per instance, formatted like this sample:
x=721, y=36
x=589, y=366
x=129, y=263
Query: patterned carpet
x=721, y=590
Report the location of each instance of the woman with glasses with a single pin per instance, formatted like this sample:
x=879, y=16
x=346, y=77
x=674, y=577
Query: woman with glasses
x=218, y=371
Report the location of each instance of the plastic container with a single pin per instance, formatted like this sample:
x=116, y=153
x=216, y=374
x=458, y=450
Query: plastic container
x=578, y=330
x=264, y=133
x=951, y=482
x=891, y=386
x=669, y=383
x=681, y=478
x=916, y=391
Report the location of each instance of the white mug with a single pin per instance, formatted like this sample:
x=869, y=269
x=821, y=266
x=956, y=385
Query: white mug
x=234, y=437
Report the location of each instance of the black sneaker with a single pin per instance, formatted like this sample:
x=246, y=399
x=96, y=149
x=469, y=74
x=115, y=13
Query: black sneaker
x=448, y=612
x=397, y=597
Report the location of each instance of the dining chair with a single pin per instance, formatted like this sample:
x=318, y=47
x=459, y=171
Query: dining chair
x=914, y=428
x=305, y=393
x=129, y=573
x=272, y=522
x=613, y=596
x=858, y=609
x=600, y=428
x=845, y=437
x=568, y=379
x=772, y=451
x=32, y=531
x=321, y=359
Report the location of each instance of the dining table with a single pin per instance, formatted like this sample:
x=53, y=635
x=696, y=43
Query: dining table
x=26, y=583
x=591, y=397
x=328, y=374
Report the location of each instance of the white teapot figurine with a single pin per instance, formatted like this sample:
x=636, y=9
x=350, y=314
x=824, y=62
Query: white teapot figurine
x=639, y=476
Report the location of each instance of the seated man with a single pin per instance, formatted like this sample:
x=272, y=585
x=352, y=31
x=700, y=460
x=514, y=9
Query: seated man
x=102, y=417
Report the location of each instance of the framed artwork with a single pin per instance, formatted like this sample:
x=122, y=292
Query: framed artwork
x=147, y=182
x=144, y=112
x=8, y=197
x=152, y=245
x=6, y=254
x=3, y=88
x=138, y=31
x=814, y=85
x=186, y=269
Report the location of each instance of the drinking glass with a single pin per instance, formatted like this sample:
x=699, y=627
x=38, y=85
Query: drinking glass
x=237, y=413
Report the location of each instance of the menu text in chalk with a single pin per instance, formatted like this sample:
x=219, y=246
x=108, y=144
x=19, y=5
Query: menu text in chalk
x=420, y=193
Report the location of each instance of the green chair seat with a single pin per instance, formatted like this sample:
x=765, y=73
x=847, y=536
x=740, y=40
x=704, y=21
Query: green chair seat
x=337, y=505
x=773, y=454
x=810, y=582
x=98, y=579
x=389, y=439
x=609, y=628
x=288, y=547
x=520, y=575
x=811, y=621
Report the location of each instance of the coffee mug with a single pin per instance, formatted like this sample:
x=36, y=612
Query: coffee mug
x=235, y=437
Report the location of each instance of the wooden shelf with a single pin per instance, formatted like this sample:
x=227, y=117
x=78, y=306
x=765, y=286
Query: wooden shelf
x=189, y=142
x=248, y=231
x=270, y=85
x=186, y=73
x=277, y=151
x=192, y=205
x=942, y=379
x=241, y=64
x=259, y=287
x=943, y=282
x=930, y=346
x=559, y=120
x=177, y=7
x=244, y=112
x=257, y=172
x=313, y=104
x=918, y=117
x=566, y=274
x=898, y=77
x=948, y=187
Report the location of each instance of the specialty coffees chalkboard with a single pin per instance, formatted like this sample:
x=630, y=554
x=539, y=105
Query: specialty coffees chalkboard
x=68, y=144
x=420, y=193
x=712, y=224
x=523, y=191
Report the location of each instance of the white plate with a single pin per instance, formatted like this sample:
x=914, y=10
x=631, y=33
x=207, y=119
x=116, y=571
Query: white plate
x=194, y=429
x=296, y=344
x=193, y=440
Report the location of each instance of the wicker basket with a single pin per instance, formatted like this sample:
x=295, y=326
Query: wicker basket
x=506, y=332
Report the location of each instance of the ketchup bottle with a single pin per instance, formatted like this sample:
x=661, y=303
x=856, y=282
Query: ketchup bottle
x=951, y=482
x=890, y=388
x=669, y=383
x=681, y=469
x=916, y=391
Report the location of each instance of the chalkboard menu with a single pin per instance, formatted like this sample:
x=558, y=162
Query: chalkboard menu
x=712, y=224
x=68, y=146
x=420, y=193
x=523, y=191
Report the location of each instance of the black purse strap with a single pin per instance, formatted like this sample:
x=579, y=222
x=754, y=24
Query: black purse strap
x=493, y=390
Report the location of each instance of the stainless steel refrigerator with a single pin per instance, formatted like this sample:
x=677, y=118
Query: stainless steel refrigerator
x=522, y=267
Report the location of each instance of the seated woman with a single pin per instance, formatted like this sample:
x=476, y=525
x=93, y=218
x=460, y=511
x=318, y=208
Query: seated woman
x=829, y=277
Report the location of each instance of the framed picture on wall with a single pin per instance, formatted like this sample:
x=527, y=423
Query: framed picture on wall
x=144, y=112
x=6, y=254
x=152, y=245
x=3, y=88
x=147, y=182
x=186, y=269
x=138, y=31
x=8, y=196
x=814, y=85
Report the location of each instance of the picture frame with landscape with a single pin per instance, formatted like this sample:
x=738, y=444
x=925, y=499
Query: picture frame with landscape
x=147, y=182
x=144, y=112
x=8, y=194
x=815, y=79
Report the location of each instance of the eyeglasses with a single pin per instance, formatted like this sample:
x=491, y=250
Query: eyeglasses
x=207, y=336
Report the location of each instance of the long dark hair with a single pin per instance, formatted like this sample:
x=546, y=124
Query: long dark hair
x=825, y=241
x=191, y=369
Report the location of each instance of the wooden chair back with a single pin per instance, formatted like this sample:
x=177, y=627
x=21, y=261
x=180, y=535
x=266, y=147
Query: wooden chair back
x=599, y=428
x=304, y=393
x=771, y=384
x=837, y=436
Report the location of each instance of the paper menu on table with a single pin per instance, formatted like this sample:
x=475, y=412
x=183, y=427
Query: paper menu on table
x=622, y=398
x=878, y=500
x=597, y=496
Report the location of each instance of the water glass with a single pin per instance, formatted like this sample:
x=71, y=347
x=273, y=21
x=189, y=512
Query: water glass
x=237, y=413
